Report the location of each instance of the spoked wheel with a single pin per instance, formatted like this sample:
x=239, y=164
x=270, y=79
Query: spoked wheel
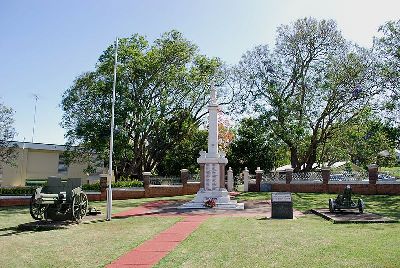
x=331, y=205
x=36, y=210
x=360, y=205
x=79, y=206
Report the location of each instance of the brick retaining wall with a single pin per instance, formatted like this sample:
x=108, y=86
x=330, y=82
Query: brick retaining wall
x=8, y=201
x=359, y=188
x=366, y=187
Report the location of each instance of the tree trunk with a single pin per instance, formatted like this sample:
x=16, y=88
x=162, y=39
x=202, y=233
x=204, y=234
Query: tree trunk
x=294, y=160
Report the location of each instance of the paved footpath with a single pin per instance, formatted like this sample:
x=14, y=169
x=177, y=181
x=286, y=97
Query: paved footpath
x=152, y=251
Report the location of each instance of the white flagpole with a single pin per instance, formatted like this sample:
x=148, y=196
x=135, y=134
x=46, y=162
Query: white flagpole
x=110, y=168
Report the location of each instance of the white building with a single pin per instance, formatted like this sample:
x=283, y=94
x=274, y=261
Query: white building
x=37, y=161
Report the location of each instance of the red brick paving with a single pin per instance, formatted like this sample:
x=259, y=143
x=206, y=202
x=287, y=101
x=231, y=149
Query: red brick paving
x=152, y=251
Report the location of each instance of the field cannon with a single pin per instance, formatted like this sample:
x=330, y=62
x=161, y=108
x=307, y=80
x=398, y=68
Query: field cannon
x=344, y=201
x=59, y=200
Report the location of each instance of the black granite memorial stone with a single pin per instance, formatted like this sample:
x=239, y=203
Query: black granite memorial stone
x=282, y=205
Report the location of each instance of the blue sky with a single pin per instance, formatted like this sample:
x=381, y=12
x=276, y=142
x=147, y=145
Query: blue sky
x=44, y=45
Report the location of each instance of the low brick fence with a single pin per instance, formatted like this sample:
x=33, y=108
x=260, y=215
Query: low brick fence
x=123, y=193
x=8, y=201
x=370, y=187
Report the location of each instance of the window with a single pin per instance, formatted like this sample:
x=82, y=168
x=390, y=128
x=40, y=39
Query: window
x=62, y=167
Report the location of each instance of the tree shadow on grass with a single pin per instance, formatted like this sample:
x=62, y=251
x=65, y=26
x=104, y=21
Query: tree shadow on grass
x=24, y=229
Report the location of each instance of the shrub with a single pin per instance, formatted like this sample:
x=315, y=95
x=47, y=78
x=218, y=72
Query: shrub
x=118, y=184
x=20, y=190
x=91, y=187
x=127, y=184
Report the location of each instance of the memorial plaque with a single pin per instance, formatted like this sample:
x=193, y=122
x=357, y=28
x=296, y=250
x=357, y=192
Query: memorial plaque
x=282, y=206
x=211, y=177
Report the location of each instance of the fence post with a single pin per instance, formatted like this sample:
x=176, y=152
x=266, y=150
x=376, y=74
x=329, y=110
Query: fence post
x=146, y=180
x=289, y=175
x=326, y=175
x=259, y=174
x=246, y=179
x=184, y=176
x=103, y=186
x=184, y=179
x=373, y=173
x=230, y=179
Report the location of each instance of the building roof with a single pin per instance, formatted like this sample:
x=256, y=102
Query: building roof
x=39, y=146
x=338, y=164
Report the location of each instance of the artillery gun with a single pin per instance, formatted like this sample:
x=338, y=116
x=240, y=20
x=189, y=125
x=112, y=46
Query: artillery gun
x=344, y=201
x=59, y=200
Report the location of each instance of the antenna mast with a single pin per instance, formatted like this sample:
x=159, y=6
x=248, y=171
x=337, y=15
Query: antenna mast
x=36, y=97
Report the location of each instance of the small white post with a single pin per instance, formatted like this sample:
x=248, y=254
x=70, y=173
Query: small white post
x=246, y=179
x=230, y=179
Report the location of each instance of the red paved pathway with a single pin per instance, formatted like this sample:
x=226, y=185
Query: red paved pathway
x=152, y=251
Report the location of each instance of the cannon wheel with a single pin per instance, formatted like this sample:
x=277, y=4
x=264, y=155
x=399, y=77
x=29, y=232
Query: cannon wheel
x=36, y=210
x=331, y=205
x=360, y=205
x=79, y=206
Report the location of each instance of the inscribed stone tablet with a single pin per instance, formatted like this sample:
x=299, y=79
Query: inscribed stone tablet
x=282, y=197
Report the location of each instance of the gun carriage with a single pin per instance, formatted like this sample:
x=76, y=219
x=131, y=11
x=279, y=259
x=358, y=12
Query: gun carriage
x=344, y=201
x=59, y=200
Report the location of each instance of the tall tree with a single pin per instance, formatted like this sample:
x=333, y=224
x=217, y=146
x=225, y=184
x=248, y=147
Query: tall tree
x=255, y=146
x=184, y=154
x=308, y=87
x=388, y=48
x=360, y=141
x=8, y=154
x=162, y=89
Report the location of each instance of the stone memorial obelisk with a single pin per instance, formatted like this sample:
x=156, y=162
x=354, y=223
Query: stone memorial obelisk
x=212, y=168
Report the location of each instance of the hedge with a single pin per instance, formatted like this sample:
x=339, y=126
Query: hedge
x=19, y=190
x=118, y=184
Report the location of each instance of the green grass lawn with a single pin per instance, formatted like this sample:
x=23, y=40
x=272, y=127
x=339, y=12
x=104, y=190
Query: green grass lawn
x=305, y=242
x=92, y=244
x=309, y=241
x=386, y=205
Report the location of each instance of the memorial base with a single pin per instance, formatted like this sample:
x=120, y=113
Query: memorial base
x=221, y=197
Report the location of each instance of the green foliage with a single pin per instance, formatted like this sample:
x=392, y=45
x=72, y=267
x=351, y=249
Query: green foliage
x=91, y=187
x=35, y=182
x=360, y=141
x=255, y=146
x=127, y=184
x=184, y=154
x=388, y=49
x=161, y=91
x=17, y=190
x=8, y=153
x=309, y=86
x=348, y=167
x=118, y=184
